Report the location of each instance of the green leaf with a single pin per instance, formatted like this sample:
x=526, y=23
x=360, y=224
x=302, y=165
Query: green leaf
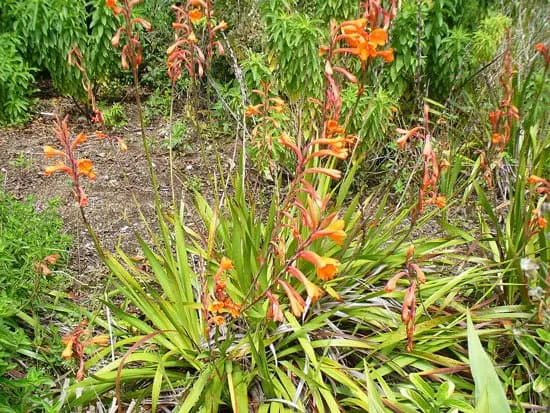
x=489, y=394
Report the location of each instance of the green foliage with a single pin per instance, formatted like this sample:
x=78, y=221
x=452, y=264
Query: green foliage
x=15, y=83
x=452, y=44
x=488, y=391
x=333, y=9
x=157, y=106
x=26, y=237
x=100, y=59
x=294, y=41
x=178, y=136
x=115, y=116
x=48, y=29
x=31, y=391
x=489, y=36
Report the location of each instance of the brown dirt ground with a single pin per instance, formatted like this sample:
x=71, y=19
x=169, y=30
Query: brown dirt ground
x=122, y=188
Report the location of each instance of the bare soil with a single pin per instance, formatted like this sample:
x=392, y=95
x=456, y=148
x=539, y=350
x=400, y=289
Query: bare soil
x=122, y=191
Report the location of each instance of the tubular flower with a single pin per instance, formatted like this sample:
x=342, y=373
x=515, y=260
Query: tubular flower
x=50, y=152
x=326, y=267
x=226, y=264
x=332, y=173
x=68, y=351
x=111, y=4
x=274, y=312
x=334, y=230
x=392, y=283
x=313, y=291
x=195, y=16
x=252, y=110
x=544, y=51
x=297, y=303
x=58, y=167
x=363, y=44
x=85, y=168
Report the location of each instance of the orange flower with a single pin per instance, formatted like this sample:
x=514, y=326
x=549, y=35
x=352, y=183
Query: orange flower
x=85, y=168
x=274, y=313
x=218, y=320
x=58, y=167
x=50, y=152
x=51, y=259
x=533, y=179
x=297, y=303
x=195, y=15
x=387, y=55
x=216, y=307
x=406, y=135
x=100, y=135
x=226, y=264
x=111, y=4
x=378, y=37
x=68, y=351
x=333, y=173
x=313, y=291
x=326, y=267
x=392, y=282
x=252, y=110
x=102, y=340
x=81, y=138
x=334, y=230
x=419, y=273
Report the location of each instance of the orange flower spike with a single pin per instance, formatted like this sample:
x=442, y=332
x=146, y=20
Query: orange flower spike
x=195, y=16
x=313, y=291
x=50, y=152
x=297, y=303
x=326, y=267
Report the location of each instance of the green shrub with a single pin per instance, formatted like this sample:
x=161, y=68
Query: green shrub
x=294, y=41
x=115, y=116
x=15, y=83
x=27, y=236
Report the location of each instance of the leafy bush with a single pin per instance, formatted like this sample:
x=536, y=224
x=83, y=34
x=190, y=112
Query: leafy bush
x=15, y=83
x=27, y=236
x=294, y=41
x=115, y=116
